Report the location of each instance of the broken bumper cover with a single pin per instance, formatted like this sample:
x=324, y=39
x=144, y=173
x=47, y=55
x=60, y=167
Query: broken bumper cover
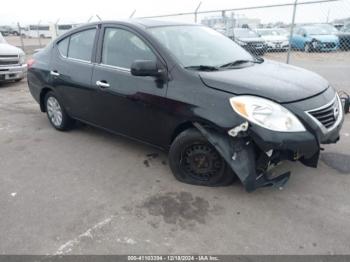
x=240, y=151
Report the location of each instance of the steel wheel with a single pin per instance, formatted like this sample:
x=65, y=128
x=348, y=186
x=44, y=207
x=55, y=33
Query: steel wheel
x=54, y=111
x=201, y=162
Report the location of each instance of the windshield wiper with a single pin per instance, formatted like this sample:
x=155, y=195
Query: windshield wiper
x=203, y=67
x=257, y=60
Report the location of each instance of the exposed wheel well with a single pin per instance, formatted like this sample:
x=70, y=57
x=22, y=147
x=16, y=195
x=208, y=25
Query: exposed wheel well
x=43, y=93
x=186, y=125
x=179, y=129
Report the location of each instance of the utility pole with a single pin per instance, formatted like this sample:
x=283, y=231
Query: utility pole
x=196, y=12
x=38, y=26
x=328, y=14
x=292, y=30
x=132, y=14
x=20, y=35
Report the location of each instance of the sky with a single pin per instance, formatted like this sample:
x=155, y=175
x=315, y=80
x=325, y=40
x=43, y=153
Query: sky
x=79, y=11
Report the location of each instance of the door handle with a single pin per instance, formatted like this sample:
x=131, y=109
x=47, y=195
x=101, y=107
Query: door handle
x=102, y=84
x=54, y=73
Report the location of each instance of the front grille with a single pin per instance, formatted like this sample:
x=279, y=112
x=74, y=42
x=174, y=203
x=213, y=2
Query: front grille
x=6, y=62
x=328, y=115
x=256, y=44
x=8, y=56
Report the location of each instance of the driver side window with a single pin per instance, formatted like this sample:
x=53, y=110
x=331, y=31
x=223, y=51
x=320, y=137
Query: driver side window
x=121, y=48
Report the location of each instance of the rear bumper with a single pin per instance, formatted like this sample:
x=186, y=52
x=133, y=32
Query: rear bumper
x=8, y=73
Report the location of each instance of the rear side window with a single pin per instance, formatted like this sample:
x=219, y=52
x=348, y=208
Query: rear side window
x=81, y=44
x=63, y=46
x=121, y=48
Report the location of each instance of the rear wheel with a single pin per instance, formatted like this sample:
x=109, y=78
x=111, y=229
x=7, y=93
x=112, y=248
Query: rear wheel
x=194, y=160
x=56, y=114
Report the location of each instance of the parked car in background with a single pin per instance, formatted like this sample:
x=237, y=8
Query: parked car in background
x=8, y=30
x=63, y=28
x=274, y=38
x=219, y=111
x=344, y=38
x=35, y=31
x=5, y=30
x=250, y=41
x=312, y=38
x=283, y=31
x=13, y=66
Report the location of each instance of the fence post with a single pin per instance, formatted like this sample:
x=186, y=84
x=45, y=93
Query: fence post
x=38, y=26
x=292, y=30
x=20, y=35
x=196, y=12
x=132, y=14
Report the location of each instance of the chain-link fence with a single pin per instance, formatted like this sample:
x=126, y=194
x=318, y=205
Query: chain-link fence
x=308, y=30
x=297, y=30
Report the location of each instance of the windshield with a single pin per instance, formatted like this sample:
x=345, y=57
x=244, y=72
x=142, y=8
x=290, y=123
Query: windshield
x=245, y=33
x=199, y=45
x=320, y=30
x=2, y=40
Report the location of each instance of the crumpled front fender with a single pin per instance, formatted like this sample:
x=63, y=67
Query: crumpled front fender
x=239, y=153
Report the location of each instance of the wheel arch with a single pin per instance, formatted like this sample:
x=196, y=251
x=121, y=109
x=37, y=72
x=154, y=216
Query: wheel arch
x=190, y=124
x=43, y=93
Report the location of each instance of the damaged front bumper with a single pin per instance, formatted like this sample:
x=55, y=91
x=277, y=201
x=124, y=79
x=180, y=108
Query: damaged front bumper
x=251, y=150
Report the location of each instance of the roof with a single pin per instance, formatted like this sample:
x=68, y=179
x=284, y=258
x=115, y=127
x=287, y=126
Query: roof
x=144, y=22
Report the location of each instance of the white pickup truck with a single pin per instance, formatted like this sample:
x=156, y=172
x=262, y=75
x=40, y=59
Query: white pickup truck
x=13, y=66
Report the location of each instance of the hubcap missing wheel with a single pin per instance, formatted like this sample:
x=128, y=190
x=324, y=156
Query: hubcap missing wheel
x=201, y=162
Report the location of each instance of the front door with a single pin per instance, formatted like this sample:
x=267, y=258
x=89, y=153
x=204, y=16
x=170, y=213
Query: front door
x=124, y=103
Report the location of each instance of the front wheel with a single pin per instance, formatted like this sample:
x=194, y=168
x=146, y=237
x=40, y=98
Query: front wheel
x=56, y=114
x=307, y=47
x=195, y=161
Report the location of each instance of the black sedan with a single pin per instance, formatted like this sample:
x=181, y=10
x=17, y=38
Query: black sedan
x=219, y=111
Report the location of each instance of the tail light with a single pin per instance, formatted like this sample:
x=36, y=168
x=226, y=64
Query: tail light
x=30, y=63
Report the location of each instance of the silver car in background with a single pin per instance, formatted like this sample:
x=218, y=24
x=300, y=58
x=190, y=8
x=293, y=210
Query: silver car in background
x=13, y=65
x=275, y=38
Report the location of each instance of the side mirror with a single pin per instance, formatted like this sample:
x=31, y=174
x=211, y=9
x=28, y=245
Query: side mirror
x=146, y=68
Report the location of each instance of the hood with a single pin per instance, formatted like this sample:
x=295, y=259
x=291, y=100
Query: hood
x=325, y=38
x=250, y=39
x=274, y=38
x=276, y=81
x=6, y=49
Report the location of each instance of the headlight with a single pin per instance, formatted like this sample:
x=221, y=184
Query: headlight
x=22, y=58
x=266, y=113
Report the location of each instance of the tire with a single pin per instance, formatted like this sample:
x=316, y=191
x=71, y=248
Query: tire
x=307, y=48
x=56, y=113
x=186, y=156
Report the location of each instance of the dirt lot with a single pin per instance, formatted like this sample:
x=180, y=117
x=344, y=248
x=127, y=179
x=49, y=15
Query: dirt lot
x=89, y=192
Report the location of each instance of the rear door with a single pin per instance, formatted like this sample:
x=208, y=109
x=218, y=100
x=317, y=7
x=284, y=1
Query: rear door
x=71, y=71
x=127, y=104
